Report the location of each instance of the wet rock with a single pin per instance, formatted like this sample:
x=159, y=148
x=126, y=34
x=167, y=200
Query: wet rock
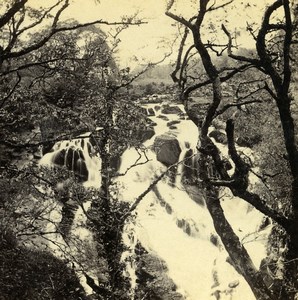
x=196, y=110
x=38, y=154
x=219, y=136
x=144, y=111
x=180, y=223
x=233, y=284
x=147, y=133
x=157, y=107
x=174, y=122
x=182, y=115
x=196, y=194
x=168, y=208
x=227, y=165
x=150, y=122
x=150, y=112
x=265, y=222
x=173, y=127
x=167, y=109
x=81, y=154
x=47, y=147
x=59, y=158
x=163, y=117
x=187, y=229
x=89, y=147
x=167, y=149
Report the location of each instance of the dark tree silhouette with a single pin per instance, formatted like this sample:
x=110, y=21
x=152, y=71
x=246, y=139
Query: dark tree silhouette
x=272, y=58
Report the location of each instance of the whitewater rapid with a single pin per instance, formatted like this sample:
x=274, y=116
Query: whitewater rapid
x=197, y=266
x=169, y=223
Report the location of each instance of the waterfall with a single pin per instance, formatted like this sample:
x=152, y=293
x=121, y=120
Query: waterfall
x=180, y=230
x=77, y=155
x=172, y=221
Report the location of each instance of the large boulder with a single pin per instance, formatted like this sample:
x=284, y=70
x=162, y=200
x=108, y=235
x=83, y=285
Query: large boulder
x=146, y=134
x=167, y=149
x=167, y=109
x=219, y=136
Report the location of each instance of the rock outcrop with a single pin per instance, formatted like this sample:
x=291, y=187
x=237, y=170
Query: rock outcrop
x=153, y=281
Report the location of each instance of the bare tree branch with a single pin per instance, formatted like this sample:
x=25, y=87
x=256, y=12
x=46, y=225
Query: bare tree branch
x=213, y=7
x=179, y=19
x=255, y=62
x=238, y=104
x=222, y=79
x=18, y=5
x=240, y=183
x=55, y=29
x=179, y=57
x=149, y=188
x=135, y=164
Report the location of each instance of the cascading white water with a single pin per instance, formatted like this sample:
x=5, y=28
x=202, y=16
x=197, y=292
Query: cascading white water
x=170, y=224
x=79, y=156
x=197, y=266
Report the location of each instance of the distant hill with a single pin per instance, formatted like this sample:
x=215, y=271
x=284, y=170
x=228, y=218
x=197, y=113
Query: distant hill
x=158, y=74
x=161, y=73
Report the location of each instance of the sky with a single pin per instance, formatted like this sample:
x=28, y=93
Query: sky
x=149, y=42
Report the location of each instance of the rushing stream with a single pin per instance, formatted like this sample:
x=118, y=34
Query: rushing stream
x=169, y=223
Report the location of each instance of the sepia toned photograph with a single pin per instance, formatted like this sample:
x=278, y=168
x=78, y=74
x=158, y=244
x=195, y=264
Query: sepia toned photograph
x=148, y=150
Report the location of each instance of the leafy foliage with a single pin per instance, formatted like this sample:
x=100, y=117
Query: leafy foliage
x=31, y=274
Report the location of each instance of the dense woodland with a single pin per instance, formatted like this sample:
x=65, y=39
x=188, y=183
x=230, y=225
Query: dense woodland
x=60, y=80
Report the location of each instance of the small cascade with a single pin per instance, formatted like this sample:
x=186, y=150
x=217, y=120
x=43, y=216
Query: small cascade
x=180, y=168
x=76, y=155
x=129, y=257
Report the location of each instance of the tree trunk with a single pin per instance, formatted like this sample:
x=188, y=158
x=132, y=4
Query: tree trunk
x=109, y=230
x=238, y=254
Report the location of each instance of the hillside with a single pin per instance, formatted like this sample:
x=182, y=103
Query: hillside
x=158, y=74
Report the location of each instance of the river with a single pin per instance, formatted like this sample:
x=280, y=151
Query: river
x=170, y=224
